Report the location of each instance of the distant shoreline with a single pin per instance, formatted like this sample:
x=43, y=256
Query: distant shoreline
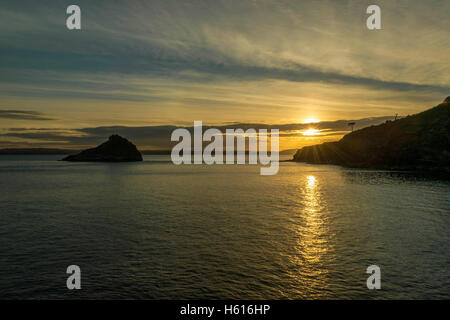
x=50, y=151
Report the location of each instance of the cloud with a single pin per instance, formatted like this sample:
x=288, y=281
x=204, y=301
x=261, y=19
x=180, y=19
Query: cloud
x=22, y=115
x=321, y=42
x=72, y=71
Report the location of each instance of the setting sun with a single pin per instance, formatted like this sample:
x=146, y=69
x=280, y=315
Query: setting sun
x=311, y=132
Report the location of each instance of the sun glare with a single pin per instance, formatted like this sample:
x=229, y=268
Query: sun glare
x=310, y=132
x=311, y=181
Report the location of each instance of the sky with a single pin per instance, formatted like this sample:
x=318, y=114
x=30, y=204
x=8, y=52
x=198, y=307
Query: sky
x=136, y=67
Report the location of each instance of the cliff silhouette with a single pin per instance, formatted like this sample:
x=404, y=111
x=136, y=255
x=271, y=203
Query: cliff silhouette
x=417, y=142
x=116, y=149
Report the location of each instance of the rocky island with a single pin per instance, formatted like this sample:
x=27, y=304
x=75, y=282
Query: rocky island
x=116, y=149
x=417, y=142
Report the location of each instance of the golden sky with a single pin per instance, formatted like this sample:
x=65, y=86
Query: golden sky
x=151, y=63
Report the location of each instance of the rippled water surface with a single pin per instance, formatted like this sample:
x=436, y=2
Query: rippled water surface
x=156, y=230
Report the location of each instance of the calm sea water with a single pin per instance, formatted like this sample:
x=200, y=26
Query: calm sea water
x=156, y=230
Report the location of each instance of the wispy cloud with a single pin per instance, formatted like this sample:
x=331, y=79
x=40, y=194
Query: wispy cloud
x=22, y=115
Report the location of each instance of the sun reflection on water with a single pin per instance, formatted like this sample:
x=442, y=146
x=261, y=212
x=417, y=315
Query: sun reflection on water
x=312, y=232
x=311, y=181
x=312, y=240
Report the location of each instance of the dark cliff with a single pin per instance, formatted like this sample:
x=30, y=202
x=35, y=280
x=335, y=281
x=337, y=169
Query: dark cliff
x=420, y=141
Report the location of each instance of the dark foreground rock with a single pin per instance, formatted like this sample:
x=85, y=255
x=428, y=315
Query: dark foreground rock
x=417, y=142
x=116, y=149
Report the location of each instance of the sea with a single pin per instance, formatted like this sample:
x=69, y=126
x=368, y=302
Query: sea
x=155, y=230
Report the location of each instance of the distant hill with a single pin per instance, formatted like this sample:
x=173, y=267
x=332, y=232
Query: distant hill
x=30, y=151
x=40, y=151
x=420, y=141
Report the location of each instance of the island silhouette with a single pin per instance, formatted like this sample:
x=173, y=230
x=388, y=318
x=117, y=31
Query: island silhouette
x=116, y=149
x=416, y=142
